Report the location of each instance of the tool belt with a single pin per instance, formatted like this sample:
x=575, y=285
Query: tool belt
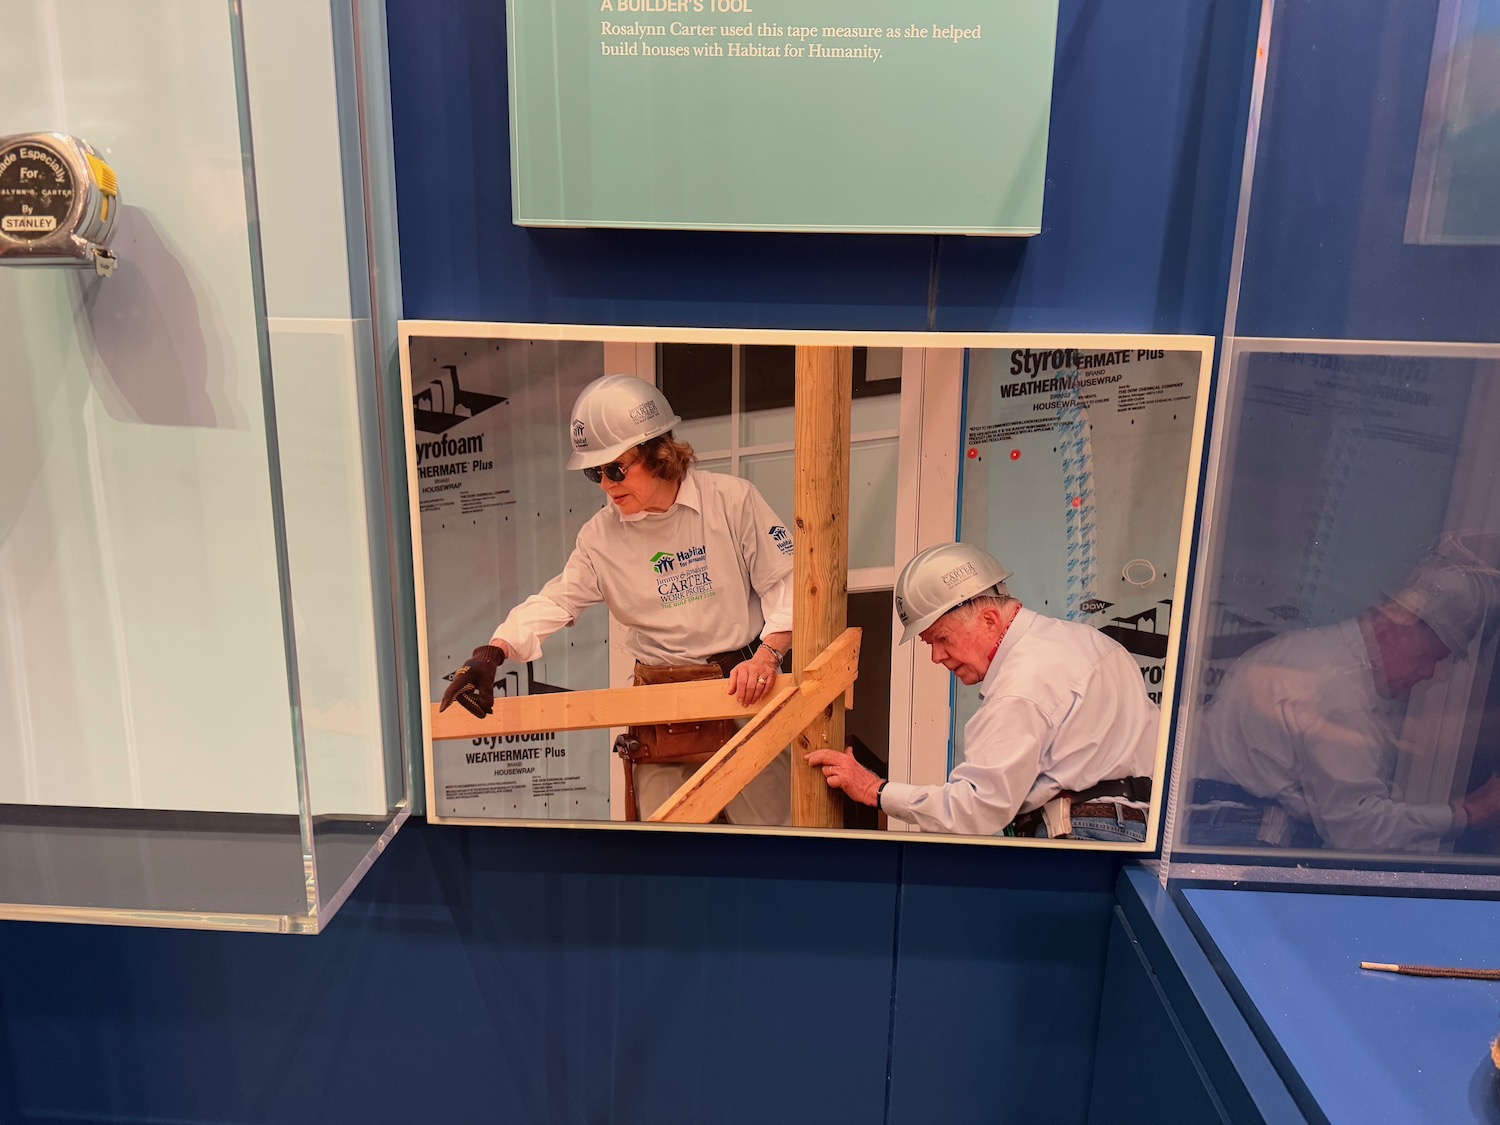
x=1225, y=802
x=1089, y=802
x=1107, y=808
x=690, y=743
x=1137, y=789
x=1207, y=791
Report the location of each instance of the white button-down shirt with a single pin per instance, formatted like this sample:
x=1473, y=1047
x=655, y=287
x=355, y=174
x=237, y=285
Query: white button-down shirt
x=1063, y=708
x=710, y=574
x=1298, y=720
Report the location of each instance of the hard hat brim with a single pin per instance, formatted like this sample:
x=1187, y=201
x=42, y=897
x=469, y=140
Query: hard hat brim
x=921, y=624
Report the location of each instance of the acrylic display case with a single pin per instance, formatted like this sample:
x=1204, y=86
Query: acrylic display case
x=1335, y=795
x=1347, y=597
x=203, y=638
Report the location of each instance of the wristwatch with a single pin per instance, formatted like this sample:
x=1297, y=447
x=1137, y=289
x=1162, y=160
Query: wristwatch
x=776, y=652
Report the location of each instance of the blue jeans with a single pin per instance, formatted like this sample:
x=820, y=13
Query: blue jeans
x=1240, y=826
x=1111, y=829
x=1224, y=824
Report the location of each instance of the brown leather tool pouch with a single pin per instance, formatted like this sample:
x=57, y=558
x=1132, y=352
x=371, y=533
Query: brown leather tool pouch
x=692, y=743
x=683, y=743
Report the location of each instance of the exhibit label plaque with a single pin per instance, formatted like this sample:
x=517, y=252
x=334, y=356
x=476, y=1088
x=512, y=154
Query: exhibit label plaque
x=819, y=115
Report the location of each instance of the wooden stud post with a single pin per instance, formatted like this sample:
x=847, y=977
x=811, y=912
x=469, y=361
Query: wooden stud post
x=825, y=377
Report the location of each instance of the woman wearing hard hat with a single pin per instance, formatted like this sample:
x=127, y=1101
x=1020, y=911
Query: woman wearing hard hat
x=696, y=567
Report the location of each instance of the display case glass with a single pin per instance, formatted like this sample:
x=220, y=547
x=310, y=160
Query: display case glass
x=201, y=626
x=1334, y=809
x=1334, y=798
x=1339, y=720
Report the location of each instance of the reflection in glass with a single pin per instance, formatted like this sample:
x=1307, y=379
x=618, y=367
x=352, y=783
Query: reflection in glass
x=1298, y=747
x=1457, y=176
x=1380, y=129
x=1351, y=601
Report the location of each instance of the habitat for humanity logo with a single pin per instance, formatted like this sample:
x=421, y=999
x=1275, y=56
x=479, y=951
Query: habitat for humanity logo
x=441, y=404
x=682, y=577
x=783, y=539
x=580, y=434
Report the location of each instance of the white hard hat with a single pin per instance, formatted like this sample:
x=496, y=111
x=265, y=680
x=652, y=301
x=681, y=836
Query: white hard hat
x=1458, y=601
x=614, y=413
x=941, y=578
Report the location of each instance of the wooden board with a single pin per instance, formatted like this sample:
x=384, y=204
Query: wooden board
x=787, y=714
x=606, y=707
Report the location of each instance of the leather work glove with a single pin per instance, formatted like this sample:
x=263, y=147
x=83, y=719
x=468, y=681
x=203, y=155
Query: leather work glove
x=474, y=684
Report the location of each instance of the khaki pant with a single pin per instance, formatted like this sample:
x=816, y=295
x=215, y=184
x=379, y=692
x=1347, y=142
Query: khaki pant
x=766, y=800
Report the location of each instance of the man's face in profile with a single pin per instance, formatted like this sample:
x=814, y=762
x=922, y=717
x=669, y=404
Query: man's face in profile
x=963, y=648
x=1410, y=652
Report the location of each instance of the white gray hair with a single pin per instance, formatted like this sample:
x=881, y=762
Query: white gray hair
x=967, y=613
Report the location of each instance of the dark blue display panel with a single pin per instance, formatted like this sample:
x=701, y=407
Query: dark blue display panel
x=573, y=976
x=1145, y=1051
x=1159, y=972
x=997, y=978
x=489, y=974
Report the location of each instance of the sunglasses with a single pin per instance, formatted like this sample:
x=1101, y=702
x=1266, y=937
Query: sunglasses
x=615, y=471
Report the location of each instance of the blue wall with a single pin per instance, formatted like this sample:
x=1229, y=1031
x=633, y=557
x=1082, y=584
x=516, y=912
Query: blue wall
x=1142, y=179
x=561, y=976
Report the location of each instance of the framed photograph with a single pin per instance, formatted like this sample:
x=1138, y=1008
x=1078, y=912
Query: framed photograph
x=1062, y=468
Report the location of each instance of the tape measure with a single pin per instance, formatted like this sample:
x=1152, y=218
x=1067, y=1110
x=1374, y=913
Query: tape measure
x=58, y=203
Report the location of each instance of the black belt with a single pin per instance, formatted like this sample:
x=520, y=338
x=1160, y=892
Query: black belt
x=1207, y=791
x=1136, y=789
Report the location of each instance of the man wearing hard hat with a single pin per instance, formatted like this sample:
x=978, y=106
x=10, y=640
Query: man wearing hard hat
x=1065, y=736
x=1298, y=747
